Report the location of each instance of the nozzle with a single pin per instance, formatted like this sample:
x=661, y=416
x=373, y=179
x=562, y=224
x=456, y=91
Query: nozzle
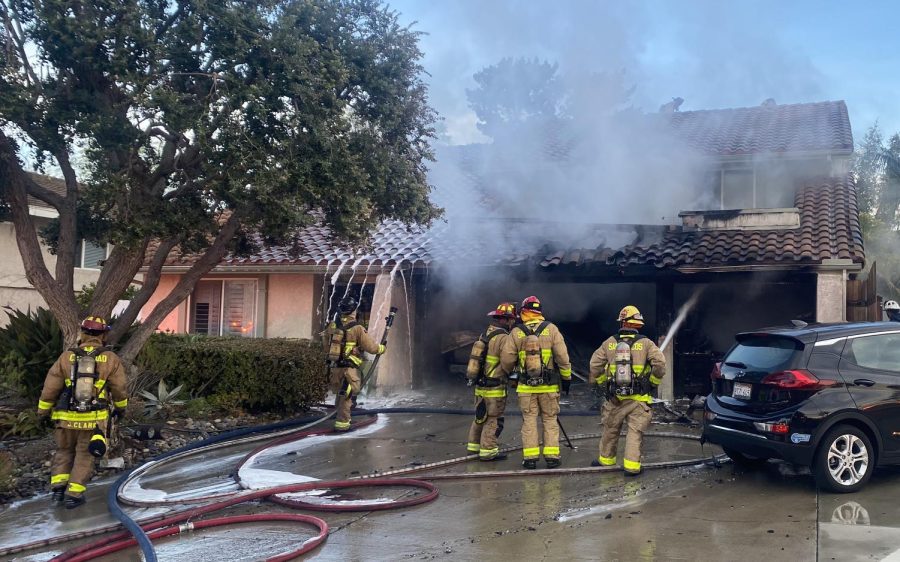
x=390, y=318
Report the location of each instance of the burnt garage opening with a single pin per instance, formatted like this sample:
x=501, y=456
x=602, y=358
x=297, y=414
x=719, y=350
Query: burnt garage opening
x=455, y=304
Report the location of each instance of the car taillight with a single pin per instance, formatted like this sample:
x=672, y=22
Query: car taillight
x=716, y=372
x=781, y=428
x=797, y=379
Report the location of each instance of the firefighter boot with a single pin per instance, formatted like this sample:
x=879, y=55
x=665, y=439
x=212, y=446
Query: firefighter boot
x=529, y=464
x=58, y=494
x=71, y=502
x=553, y=463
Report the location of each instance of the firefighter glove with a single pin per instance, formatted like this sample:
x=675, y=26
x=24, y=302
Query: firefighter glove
x=566, y=384
x=45, y=420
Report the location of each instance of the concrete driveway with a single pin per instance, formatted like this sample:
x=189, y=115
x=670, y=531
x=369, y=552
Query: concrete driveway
x=693, y=513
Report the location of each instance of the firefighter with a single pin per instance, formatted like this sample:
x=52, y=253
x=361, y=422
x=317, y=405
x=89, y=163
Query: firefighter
x=537, y=349
x=76, y=396
x=892, y=309
x=490, y=380
x=347, y=340
x=627, y=366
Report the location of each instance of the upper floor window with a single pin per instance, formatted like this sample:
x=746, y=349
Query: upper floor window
x=759, y=187
x=90, y=256
x=738, y=189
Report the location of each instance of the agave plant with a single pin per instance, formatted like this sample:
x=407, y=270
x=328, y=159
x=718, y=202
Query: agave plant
x=29, y=345
x=163, y=402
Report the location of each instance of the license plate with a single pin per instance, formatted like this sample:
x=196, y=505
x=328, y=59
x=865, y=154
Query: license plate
x=741, y=390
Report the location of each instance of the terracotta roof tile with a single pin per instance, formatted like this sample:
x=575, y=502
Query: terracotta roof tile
x=829, y=229
x=821, y=126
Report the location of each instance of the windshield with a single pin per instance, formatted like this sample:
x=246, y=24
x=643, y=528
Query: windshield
x=764, y=353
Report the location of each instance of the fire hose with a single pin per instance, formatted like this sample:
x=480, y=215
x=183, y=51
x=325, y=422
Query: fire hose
x=238, y=436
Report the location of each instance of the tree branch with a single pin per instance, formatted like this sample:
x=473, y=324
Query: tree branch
x=38, y=192
x=60, y=298
x=207, y=261
x=151, y=282
x=68, y=230
x=118, y=272
x=14, y=30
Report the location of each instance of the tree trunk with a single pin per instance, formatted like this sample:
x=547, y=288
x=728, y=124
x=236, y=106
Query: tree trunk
x=60, y=297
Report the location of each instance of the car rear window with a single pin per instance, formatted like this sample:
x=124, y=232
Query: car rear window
x=765, y=353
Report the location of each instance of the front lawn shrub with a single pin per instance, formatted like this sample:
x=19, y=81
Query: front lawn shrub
x=258, y=374
x=29, y=345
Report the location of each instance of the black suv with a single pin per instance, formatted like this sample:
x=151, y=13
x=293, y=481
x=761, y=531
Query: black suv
x=825, y=396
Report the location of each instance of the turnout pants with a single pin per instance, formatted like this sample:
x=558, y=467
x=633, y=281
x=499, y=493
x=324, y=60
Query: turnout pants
x=483, y=437
x=342, y=402
x=72, y=464
x=615, y=413
x=545, y=405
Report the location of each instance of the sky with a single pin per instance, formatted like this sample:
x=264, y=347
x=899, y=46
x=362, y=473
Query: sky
x=713, y=54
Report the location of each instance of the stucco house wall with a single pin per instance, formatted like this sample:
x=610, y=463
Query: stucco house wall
x=15, y=290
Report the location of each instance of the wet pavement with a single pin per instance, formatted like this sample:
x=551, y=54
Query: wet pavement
x=692, y=513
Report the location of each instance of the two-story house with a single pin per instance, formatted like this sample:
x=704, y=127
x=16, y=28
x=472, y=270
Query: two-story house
x=778, y=239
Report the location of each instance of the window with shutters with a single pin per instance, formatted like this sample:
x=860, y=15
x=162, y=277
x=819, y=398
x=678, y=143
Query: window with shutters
x=224, y=307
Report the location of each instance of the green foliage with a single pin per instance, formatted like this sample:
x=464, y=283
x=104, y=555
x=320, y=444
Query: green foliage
x=84, y=296
x=184, y=110
x=24, y=424
x=198, y=408
x=876, y=169
x=163, y=402
x=529, y=96
x=257, y=374
x=29, y=345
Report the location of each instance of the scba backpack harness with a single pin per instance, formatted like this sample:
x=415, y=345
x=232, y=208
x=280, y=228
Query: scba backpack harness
x=537, y=371
x=338, y=353
x=624, y=381
x=84, y=389
x=478, y=359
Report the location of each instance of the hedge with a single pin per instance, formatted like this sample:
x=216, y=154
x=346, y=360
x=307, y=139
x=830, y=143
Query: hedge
x=261, y=374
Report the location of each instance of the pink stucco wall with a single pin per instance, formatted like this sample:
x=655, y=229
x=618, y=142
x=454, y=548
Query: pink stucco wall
x=290, y=306
x=174, y=321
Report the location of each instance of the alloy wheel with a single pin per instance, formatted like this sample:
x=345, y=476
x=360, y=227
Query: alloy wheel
x=848, y=459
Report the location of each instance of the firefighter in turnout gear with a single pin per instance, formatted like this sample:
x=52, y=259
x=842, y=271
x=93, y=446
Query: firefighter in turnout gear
x=79, y=391
x=627, y=366
x=345, y=342
x=490, y=380
x=537, y=348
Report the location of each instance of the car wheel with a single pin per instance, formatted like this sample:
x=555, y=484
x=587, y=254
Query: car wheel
x=844, y=461
x=740, y=459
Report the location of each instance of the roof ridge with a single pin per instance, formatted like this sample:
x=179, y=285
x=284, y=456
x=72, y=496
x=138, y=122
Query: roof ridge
x=763, y=107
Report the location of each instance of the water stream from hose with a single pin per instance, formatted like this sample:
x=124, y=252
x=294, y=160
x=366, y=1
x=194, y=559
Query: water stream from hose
x=682, y=314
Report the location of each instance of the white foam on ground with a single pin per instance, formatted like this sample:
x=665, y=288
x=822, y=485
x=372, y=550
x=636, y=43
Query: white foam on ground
x=317, y=497
x=257, y=479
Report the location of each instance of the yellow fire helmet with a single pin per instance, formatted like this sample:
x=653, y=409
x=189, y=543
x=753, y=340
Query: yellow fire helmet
x=631, y=315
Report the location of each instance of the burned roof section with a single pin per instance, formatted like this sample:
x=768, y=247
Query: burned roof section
x=829, y=229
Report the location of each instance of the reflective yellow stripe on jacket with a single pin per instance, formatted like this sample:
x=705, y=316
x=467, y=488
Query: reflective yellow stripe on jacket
x=80, y=417
x=523, y=388
x=348, y=353
x=499, y=392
